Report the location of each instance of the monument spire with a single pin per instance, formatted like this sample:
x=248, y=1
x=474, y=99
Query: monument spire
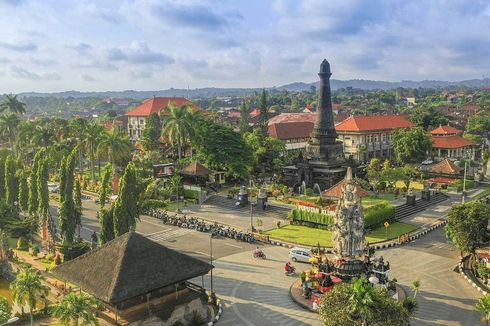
x=322, y=145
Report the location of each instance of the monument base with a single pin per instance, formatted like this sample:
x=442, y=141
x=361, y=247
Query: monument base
x=347, y=269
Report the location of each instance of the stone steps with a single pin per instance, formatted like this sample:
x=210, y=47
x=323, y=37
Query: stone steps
x=404, y=211
x=229, y=204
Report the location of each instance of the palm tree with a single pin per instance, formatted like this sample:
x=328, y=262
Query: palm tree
x=364, y=301
x=115, y=144
x=8, y=127
x=27, y=289
x=93, y=132
x=74, y=308
x=43, y=136
x=12, y=104
x=483, y=305
x=177, y=126
x=416, y=287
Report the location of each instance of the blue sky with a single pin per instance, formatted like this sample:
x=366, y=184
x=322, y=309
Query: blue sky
x=156, y=44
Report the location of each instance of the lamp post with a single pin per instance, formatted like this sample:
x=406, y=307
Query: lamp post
x=252, y=216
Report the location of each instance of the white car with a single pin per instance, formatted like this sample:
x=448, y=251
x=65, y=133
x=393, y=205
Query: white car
x=427, y=162
x=300, y=254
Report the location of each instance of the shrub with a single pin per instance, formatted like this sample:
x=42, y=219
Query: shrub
x=49, y=257
x=57, y=260
x=22, y=244
x=192, y=194
x=150, y=204
x=376, y=215
x=299, y=215
x=35, y=250
x=53, y=265
x=74, y=250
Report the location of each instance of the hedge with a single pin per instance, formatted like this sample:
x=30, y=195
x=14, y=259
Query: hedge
x=150, y=204
x=374, y=216
x=299, y=215
x=192, y=194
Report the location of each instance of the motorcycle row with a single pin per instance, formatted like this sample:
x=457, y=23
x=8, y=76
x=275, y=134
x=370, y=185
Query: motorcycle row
x=215, y=229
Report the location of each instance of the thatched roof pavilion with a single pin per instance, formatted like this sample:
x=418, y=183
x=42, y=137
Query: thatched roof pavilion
x=129, y=268
x=196, y=169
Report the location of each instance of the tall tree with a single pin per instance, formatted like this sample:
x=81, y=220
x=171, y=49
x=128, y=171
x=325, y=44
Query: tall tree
x=11, y=183
x=126, y=210
x=467, y=225
x=9, y=124
x=177, y=126
x=67, y=207
x=33, y=185
x=106, y=224
x=78, y=211
x=2, y=177
x=150, y=138
x=23, y=191
x=11, y=103
x=264, y=113
x=106, y=185
x=428, y=118
x=45, y=220
x=77, y=308
x=411, y=145
x=27, y=289
x=116, y=145
x=93, y=133
x=244, y=118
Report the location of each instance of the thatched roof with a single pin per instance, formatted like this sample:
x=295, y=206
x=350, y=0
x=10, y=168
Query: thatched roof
x=196, y=169
x=336, y=190
x=129, y=266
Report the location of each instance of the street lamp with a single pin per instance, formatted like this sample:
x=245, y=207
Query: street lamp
x=252, y=216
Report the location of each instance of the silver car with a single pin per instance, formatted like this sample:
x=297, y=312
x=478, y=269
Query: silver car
x=300, y=254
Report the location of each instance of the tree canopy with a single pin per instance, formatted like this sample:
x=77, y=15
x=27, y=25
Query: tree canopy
x=411, y=145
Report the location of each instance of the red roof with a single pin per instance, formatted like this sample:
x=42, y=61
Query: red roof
x=255, y=112
x=443, y=180
x=470, y=107
x=371, y=123
x=336, y=190
x=446, y=167
x=445, y=130
x=450, y=142
x=155, y=105
x=291, y=125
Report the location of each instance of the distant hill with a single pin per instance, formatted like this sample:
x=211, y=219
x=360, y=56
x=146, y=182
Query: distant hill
x=293, y=87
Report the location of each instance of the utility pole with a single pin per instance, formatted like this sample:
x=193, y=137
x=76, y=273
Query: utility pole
x=211, y=258
x=464, y=184
x=251, y=216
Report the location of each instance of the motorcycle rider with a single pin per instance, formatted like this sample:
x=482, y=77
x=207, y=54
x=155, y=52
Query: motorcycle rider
x=258, y=252
x=289, y=268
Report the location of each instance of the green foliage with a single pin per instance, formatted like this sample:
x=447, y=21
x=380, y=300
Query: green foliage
x=150, y=204
x=458, y=184
x=11, y=183
x=190, y=194
x=479, y=124
x=5, y=310
x=376, y=215
x=264, y=113
x=66, y=213
x=106, y=225
x=428, y=118
x=77, y=308
x=2, y=177
x=78, y=208
x=33, y=184
x=22, y=244
x=23, y=191
x=244, y=127
x=222, y=149
x=483, y=305
x=150, y=138
x=126, y=210
x=268, y=152
x=483, y=271
x=361, y=303
x=116, y=146
x=178, y=126
x=27, y=289
x=42, y=191
x=106, y=184
x=300, y=216
x=73, y=250
x=411, y=145
x=35, y=250
x=467, y=225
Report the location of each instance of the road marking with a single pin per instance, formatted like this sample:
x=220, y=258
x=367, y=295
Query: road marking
x=168, y=234
x=232, y=245
x=158, y=232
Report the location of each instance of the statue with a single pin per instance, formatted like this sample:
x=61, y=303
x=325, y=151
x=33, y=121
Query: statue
x=348, y=231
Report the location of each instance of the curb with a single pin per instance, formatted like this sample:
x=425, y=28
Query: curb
x=218, y=315
x=462, y=272
x=302, y=305
x=380, y=245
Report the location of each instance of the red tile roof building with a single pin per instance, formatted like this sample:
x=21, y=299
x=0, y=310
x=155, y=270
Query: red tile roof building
x=372, y=133
x=336, y=191
x=137, y=116
x=365, y=137
x=445, y=167
x=447, y=142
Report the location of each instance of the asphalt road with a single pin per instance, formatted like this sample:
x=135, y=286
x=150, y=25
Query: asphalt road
x=197, y=244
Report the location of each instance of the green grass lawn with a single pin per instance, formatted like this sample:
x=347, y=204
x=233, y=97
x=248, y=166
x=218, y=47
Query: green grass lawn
x=369, y=201
x=482, y=194
x=310, y=236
